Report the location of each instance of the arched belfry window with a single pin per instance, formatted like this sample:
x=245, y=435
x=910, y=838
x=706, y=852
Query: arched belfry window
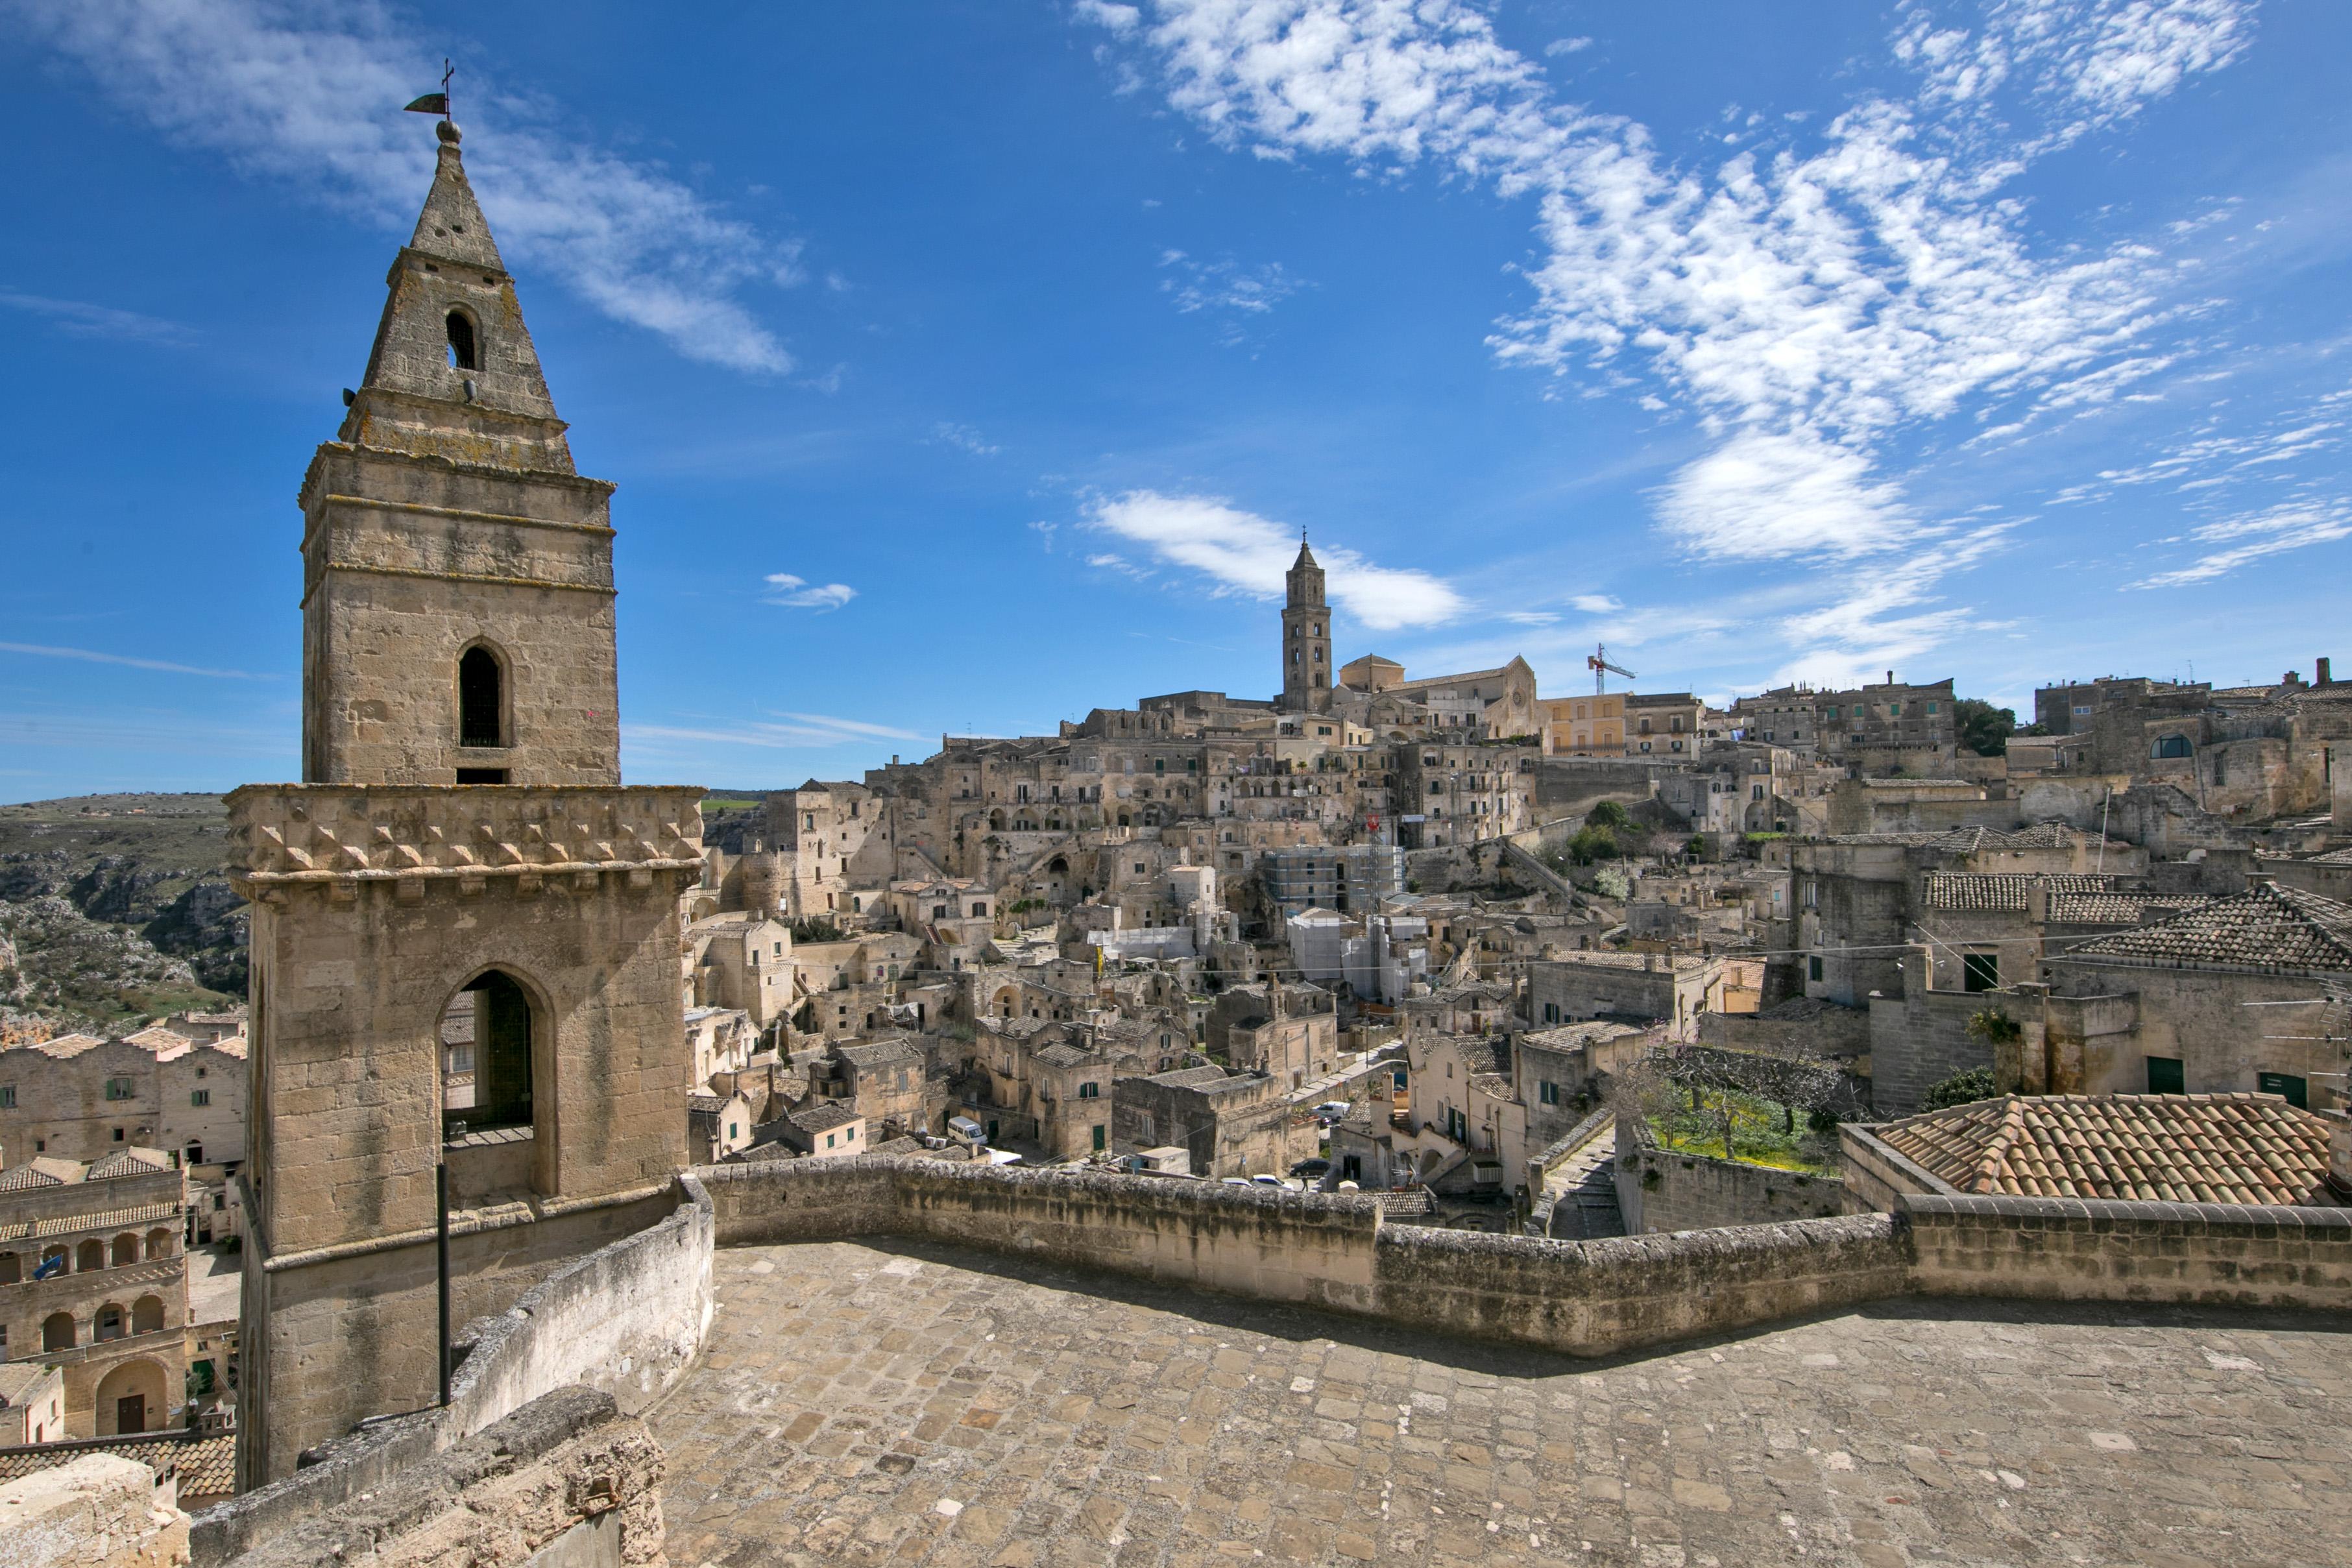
x=486, y=1057
x=481, y=694
x=465, y=353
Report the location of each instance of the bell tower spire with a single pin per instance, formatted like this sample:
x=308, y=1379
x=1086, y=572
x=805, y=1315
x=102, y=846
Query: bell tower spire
x=457, y=621
x=1306, y=636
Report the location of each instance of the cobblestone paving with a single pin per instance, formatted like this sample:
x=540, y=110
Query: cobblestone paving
x=860, y=1405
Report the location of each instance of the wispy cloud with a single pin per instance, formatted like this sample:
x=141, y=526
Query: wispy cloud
x=311, y=93
x=1241, y=552
x=1810, y=300
x=1558, y=47
x=88, y=656
x=799, y=593
x=84, y=320
x=1224, y=288
x=2291, y=527
x=809, y=730
x=964, y=438
x=1595, y=603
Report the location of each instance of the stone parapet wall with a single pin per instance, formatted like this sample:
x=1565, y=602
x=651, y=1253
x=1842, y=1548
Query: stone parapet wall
x=2080, y=1250
x=100, y=1511
x=1594, y=1298
x=626, y=1318
x=1660, y=1191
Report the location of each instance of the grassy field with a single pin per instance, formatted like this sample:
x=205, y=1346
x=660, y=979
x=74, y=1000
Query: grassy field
x=1759, y=1133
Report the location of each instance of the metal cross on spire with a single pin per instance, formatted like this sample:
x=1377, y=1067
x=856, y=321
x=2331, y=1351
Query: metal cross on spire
x=436, y=102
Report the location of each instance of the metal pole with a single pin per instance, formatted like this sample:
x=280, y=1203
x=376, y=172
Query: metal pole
x=441, y=1253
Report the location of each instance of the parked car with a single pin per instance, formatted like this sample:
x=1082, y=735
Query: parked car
x=1333, y=1110
x=1312, y=1168
x=1262, y=1180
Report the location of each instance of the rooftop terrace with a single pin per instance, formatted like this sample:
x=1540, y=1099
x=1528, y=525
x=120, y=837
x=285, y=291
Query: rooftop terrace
x=897, y=1401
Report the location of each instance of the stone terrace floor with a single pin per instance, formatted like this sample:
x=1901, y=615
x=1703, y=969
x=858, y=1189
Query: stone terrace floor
x=871, y=1403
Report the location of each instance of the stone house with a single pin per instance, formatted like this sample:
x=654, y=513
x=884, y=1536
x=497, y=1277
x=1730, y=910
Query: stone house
x=93, y=1281
x=32, y=1404
x=1664, y=724
x=886, y=1081
x=1584, y=726
x=77, y=1097
x=1674, y=989
x=720, y=1041
x=1881, y=730
x=1231, y=1123
x=718, y=1125
x=742, y=961
x=822, y=1129
x=1291, y=1031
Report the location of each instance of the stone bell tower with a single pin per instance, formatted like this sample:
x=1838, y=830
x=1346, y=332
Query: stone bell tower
x=1306, y=637
x=465, y=939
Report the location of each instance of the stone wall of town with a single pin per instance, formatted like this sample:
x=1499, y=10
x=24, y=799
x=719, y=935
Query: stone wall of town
x=103, y=1511
x=626, y=1318
x=1660, y=1191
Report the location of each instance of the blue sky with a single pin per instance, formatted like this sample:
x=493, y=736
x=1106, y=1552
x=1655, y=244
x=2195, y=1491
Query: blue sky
x=966, y=366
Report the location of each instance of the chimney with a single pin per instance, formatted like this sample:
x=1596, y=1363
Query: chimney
x=2320, y=677
x=1890, y=677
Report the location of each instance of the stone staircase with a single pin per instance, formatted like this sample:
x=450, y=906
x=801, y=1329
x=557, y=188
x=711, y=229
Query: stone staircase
x=1583, y=1191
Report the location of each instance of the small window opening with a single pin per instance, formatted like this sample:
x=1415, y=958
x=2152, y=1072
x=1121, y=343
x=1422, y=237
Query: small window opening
x=486, y=1057
x=462, y=354
x=479, y=697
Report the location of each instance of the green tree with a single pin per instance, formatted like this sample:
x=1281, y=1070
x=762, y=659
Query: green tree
x=1592, y=844
x=1982, y=727
x=1608, y=814
x=1959, y=1090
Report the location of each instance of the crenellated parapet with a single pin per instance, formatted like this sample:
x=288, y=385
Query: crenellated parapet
x=297, y=835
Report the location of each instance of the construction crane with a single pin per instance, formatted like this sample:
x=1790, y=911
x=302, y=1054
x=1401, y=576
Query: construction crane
x=1598, y=662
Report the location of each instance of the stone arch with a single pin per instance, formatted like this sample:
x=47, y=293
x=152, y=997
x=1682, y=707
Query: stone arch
x=161, y=1243
x=1006, y=1003
x=465, y=338
x=2170, y=745
x=12, y=1269
x=147, y=1315
x=484, y=709
x=126, y=1250
x=56, y=1253
x=89, y=1256
x=131, y=1396
x=492, y=1032
x=58, y=1331
x=109, y=1322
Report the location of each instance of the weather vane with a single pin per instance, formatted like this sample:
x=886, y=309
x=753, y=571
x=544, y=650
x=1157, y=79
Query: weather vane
x=436, y=102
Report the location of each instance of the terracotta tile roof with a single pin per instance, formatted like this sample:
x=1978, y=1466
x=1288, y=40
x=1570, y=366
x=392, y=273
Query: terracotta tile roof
x=2003, y=891
x=206, y=1467
x=2269, y=928
x=2335, y=857
x=2171, y=1148
x=128, y=1161
x=823, y=1116
x=41, y=1170
x=68, y=1224
x=2117, y=908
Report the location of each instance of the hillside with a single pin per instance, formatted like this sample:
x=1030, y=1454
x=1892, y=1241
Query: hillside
x=117, y=907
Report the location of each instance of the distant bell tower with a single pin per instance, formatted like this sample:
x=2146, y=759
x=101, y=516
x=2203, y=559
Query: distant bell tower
x=1306, y=637
x=458, y=570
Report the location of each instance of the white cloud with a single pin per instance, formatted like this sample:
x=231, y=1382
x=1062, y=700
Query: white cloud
x=1596, y=604
x=1119, y=19
x=798, y=594
x=805, y=729
x=1530, y=617
x=1808, y=300
x=1224, y=288
x=86, y=321
x=91, y=656
x=311, y=93
x=2293, y=525
x=1567, y=47
x=964, y=438
x=1761, y=496
x=1242, y=552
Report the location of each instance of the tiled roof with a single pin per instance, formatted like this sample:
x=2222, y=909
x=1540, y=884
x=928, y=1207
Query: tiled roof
x=2335, y=857
x=41, y=1170
x=824, y=1116
x=18, y=1379
x=206, y=1467
x=2117, y=908
x=879, y=1052
x=1576, y=1036
x=2270, y=928
x=2003, y=891
x=69, y=1224
x=128, y=1161
x=1061, y=1053
x=2171, y=1148
x=1970, y=840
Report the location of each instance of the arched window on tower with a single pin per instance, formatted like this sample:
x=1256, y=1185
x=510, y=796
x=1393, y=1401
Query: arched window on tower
x=481, y=694
x=464, y=352
x=486, y=1057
